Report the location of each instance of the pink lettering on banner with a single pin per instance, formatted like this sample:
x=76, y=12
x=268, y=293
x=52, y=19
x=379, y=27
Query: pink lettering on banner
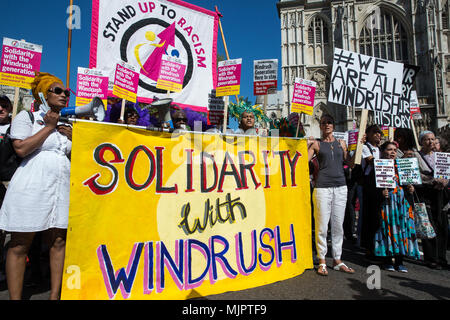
x=21, y=62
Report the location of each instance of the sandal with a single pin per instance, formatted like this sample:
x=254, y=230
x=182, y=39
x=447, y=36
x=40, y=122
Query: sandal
x=324, y=271
x=343, y=268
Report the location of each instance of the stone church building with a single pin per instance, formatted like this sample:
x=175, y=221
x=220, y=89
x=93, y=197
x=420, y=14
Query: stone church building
x=408, y=31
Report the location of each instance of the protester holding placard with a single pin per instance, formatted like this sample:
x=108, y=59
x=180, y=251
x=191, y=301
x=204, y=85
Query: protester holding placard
x=5, y=121
x=330, y=194
x=396, y=237
x=114, y=108
x=405, y=139
x=369, y=220
x=433, y=194
x=38, y=194
x=440, y=145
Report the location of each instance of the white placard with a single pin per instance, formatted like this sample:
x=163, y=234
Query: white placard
x=442, y=165
x=366, y=82
x=384, y=173
x=408, y=171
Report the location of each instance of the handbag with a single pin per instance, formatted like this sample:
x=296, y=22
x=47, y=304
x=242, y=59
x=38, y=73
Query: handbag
x=424, y=229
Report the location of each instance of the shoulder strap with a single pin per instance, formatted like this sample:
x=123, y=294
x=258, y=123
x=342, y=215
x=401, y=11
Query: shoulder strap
x=31, y=115
x=370, y=148
x=426, y=161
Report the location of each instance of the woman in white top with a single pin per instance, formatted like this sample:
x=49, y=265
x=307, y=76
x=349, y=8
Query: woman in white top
x=38, y=194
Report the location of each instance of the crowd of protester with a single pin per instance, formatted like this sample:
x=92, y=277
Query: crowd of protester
x=346, y=203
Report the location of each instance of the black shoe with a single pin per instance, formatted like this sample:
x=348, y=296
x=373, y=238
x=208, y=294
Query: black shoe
x=434, y=265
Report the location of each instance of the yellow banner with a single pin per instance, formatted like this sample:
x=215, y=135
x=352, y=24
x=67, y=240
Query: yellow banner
x=177, y=216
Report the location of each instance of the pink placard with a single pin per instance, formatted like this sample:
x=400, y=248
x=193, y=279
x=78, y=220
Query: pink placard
x=90, y=86
x=20, y=62
x=229, y=78
x=352, y=139
x=126, y=79
x=303, y=96
x=171, y=74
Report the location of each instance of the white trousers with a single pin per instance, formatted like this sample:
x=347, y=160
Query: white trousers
x=329, y=204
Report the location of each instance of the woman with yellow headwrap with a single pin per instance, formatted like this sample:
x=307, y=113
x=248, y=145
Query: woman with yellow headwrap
x=37, y=198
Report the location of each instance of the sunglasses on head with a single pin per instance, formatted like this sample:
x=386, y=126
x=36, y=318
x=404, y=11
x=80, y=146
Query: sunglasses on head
x=59, y=90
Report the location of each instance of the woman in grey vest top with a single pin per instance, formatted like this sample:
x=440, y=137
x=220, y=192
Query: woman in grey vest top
x=330, y=194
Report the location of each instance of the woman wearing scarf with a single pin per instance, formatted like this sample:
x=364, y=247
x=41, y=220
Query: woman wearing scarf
x=37, y=198
x=396, y=235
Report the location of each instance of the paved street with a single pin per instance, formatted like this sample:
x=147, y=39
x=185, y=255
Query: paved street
x=420, y=283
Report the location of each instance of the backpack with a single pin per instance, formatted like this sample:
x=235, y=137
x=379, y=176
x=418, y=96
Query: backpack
x=9, y=160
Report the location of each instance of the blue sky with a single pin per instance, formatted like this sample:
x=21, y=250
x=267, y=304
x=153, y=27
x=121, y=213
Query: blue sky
x=251, y=27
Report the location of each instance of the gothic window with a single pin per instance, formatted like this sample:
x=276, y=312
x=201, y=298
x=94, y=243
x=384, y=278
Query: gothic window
x=445, y=15
x=386, y=38
x=318, y=31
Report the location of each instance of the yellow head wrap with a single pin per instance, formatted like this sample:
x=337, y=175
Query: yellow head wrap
x=42, y=82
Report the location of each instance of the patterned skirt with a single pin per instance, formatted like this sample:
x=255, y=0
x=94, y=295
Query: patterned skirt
x=397, y=234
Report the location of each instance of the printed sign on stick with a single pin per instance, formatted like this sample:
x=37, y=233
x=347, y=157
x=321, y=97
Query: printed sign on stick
x=171, y=74
x=408, y=171
x=352, y=139
x=366, y=82
x=402, y=118
x=229, y=78
x=442, y=165
x=91, y=83
x=216, y=109
x=265, y=76
x=303, y=96
x=20, y=61
x=126, y=82
x=384, y=173
x=414, y=106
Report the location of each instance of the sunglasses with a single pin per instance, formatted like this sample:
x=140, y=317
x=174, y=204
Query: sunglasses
x=180, y=119
x=59, y=90
x=326, y=122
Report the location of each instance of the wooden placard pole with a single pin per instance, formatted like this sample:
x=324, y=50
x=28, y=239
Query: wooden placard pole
x=391, y=134
x=413, y=127
x=122, y=111
x=16, y=98
x=16, y=102
x=69, y=45
x=298, y=126
x=362, y=129
x=225, y=115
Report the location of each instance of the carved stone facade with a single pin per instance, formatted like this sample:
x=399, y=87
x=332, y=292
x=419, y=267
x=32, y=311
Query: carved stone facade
x=25, y=97
x=409, y=31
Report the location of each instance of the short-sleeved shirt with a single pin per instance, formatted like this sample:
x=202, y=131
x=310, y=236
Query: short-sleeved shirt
x=368, y=151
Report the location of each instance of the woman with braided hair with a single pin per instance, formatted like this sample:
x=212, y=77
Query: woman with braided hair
x=37, y=198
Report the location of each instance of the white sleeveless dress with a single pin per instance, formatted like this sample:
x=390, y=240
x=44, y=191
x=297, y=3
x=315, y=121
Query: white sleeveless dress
x=37, y=198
